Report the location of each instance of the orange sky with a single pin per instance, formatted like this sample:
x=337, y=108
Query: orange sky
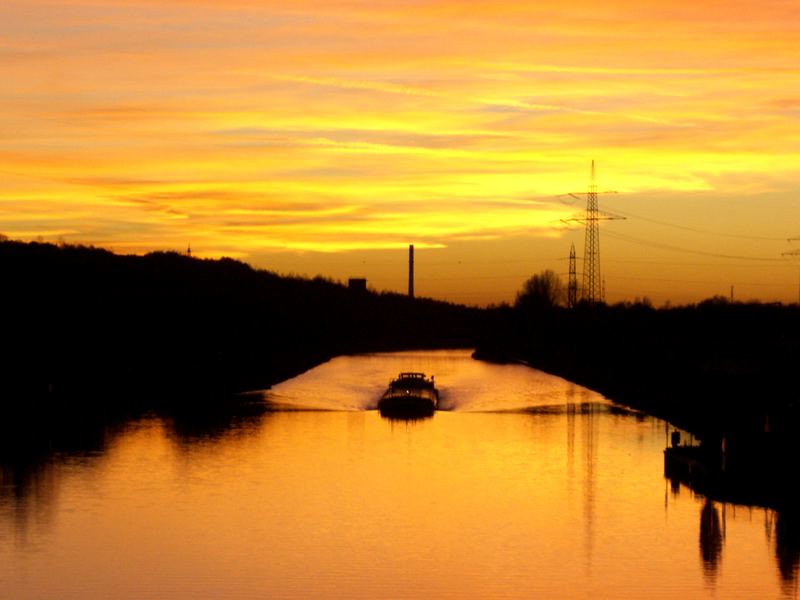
x=322, y=137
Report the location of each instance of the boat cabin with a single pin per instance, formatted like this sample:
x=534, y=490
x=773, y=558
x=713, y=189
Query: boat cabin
x=412, y=380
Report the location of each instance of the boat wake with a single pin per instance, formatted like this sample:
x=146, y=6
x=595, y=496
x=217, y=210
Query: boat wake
x=356, y=382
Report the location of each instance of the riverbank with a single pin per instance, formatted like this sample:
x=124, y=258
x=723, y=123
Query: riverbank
x=712, y=368
x=86, y=328
x=725, y=373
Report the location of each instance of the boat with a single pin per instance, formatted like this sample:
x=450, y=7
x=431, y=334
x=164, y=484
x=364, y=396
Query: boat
x=410, y=395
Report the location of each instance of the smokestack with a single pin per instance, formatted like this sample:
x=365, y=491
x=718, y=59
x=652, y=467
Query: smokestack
x=411, y=271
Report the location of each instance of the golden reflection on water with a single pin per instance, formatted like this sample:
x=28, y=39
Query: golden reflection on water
x=564, y=501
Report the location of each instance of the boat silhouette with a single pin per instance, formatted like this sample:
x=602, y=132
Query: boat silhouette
x=410, y=395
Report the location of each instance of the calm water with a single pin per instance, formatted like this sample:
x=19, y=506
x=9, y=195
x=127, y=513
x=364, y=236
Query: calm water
x=526, y=487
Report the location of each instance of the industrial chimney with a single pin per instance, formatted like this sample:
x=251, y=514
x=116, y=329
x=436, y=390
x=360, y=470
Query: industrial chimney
x=411, y=271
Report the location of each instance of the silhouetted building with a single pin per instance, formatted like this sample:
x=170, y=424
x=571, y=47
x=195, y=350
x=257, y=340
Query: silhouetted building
x=357, y=284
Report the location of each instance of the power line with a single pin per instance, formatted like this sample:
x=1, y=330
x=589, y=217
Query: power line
x=704, y=281
x=634, y=240
x=776, y=265
x=468, y=263
x=473, y=277
x=704, y=231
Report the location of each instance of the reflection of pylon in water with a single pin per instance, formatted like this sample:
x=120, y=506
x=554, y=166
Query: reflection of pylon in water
x=593, y=286
x=572, y=284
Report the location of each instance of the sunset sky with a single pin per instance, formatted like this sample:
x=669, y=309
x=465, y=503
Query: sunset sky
x=324, y=136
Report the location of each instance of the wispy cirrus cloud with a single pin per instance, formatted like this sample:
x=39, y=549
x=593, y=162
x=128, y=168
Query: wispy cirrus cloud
x=257, y=126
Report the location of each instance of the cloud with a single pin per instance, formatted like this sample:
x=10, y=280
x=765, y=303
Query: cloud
x=335, y=125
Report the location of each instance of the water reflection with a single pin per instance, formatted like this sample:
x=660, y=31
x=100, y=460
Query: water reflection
x=30, y=452
x=239, y=416
x=780, y=528
x=27, y=498
x=528, y=487
x=590, y=445
x=787, y=547
x=34, y=455
x=712, y=537
x=406, y=420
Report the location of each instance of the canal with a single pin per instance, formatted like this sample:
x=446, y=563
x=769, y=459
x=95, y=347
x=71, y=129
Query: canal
x=523, y=486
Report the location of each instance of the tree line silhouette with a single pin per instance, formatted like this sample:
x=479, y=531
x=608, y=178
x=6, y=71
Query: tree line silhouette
x=90, y=335
x=84, y=324
x=710, y=366
x=724, y=371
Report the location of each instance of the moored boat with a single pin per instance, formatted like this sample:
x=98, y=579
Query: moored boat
x=409, y=395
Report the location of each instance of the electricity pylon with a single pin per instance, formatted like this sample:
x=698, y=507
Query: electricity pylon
x=794, y=253
x=572, y=284
x=591, y=245
x=593, y=288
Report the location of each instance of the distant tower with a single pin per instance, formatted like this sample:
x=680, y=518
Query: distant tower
x=591, y=252
x=411, y=271
x=189, y=250
x=794, y=253
x=572, y=285
x=593, y=289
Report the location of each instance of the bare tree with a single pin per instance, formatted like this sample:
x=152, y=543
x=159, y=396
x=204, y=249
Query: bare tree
x=543, y=291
